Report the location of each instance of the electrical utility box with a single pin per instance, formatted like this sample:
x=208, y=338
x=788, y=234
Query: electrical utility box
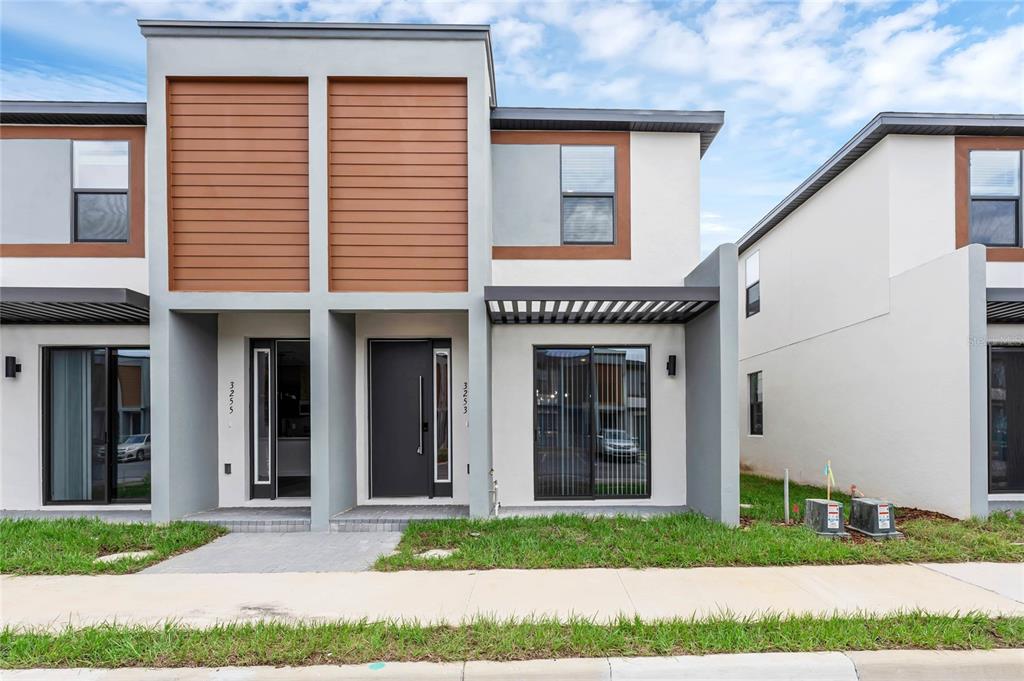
x=825, y=517
x=874, y=518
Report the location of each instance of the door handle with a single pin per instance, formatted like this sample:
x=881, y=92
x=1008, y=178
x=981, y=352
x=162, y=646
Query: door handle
x=419, y=430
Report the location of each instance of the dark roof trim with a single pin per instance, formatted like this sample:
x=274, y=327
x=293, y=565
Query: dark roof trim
x=707, y=123
x=885, y=123
x=597, y=304
x=56, y=305
x=153, y=28
x=14, y=112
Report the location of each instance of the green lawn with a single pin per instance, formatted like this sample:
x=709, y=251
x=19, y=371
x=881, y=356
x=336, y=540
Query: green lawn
x=69, y=546
x=362, y=642
x=691, y=540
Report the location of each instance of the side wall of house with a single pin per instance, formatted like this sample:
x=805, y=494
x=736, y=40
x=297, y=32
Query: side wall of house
x=864, y=337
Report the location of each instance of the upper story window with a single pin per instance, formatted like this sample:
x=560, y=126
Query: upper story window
x=995, y=209
x=100, y=189
x=753, y=283
x=588, y=194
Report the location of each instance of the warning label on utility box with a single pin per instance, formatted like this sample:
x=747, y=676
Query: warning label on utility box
x=833, y=516
x=883, y=516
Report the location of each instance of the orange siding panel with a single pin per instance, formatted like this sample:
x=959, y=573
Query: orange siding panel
x=238, y=180
x=398, y=185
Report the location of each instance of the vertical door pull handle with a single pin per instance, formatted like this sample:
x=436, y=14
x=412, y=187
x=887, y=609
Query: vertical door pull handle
x=419, y=431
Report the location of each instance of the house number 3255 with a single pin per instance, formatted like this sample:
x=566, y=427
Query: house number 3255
x=465, y=398
x=231, y=397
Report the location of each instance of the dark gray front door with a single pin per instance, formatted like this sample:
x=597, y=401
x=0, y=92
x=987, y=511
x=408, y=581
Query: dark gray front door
x=401, y=430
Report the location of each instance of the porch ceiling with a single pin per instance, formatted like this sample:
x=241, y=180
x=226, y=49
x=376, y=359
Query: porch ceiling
x=57, y=305
x=1005, y=305
x=597, y=304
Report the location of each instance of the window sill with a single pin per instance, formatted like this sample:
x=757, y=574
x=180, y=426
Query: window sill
x=1006, y=496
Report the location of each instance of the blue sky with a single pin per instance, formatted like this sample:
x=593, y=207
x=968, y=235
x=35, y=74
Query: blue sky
x=796, y=79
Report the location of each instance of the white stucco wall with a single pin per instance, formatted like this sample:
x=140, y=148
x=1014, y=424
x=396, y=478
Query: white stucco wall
x=234, y=330
x=664, y=223
x=512, y=396
x=132, y=273
x=827, y=265
x=372, y=325
x=887, y=399
x=1005, y=274
x=21, y=405
x=922, y=199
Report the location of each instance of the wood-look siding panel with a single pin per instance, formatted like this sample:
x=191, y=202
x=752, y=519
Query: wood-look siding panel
x=398, y=211
x=238, y=184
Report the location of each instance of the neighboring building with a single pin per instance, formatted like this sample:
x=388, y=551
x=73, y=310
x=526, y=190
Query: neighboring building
x=369, y=285
x=882, y=317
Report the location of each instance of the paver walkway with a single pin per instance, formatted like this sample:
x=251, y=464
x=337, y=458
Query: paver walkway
x=283, y=552
x=203, y=600
x=912, y=665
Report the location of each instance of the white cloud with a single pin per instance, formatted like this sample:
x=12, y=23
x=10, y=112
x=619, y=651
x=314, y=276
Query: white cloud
x=30, y=80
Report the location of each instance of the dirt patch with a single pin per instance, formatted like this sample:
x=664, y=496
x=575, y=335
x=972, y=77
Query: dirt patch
x=904, y=513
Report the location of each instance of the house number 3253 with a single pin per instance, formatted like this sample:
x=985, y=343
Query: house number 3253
x=465, y=398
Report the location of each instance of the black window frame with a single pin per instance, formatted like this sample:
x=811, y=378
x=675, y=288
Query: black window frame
x=1017, y=201
x=77, y=191
x=755, y=403
x=752, y=306
x=613, y=195
x=593, y=423
x=110, y=369
x=992, y=349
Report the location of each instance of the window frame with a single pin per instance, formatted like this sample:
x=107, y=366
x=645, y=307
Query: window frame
x=621, y=249
x=1018, y=217
x=588, y=195
x=963, y=146
x=110, y=369
x=135, y=246
x=751, y=285
x=753, y=403
x=77, y=191
x=591, y=347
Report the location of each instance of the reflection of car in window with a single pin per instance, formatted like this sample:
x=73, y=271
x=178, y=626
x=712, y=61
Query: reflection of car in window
x=134, y=448
x=615, y=442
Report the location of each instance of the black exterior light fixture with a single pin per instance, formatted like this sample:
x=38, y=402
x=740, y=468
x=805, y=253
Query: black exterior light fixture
x=670, y=367
x=11, y=367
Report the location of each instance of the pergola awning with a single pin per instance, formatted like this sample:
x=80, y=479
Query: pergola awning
x=65, y=305
x=1005, y=305
x=597, y=304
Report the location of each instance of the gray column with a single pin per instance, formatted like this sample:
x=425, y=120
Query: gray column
x=977, y=346
x=332, y=353
x=183, y=360
x=480, y=459
x=712, y=410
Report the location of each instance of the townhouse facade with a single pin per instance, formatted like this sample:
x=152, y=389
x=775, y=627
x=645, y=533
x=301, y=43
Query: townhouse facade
x=881, y=318
x=345, y=278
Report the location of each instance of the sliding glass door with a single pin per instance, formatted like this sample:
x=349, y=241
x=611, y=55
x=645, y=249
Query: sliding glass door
x=591, y=423
x=1006, y=420
x=96, y=415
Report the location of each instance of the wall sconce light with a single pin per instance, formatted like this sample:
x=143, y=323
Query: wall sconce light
x=671, y=366
x=11, y=367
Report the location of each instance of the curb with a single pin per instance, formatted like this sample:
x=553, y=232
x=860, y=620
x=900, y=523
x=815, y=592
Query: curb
x=906, y=665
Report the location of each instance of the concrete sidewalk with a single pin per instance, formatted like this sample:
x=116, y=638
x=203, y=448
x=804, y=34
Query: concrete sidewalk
x=202, y=600
x=913, y=665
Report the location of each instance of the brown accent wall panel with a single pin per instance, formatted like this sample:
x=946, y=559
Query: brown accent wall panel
x=238, y=183
x=398, y=170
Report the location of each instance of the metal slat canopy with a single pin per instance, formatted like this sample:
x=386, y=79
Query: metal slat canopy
x=1005, y=305
x=597, y=304
x=65, y=305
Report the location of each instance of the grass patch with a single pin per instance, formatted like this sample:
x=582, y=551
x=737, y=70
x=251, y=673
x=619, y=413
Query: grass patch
x=68, y=546
x=362, y=642
x=691, y=540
